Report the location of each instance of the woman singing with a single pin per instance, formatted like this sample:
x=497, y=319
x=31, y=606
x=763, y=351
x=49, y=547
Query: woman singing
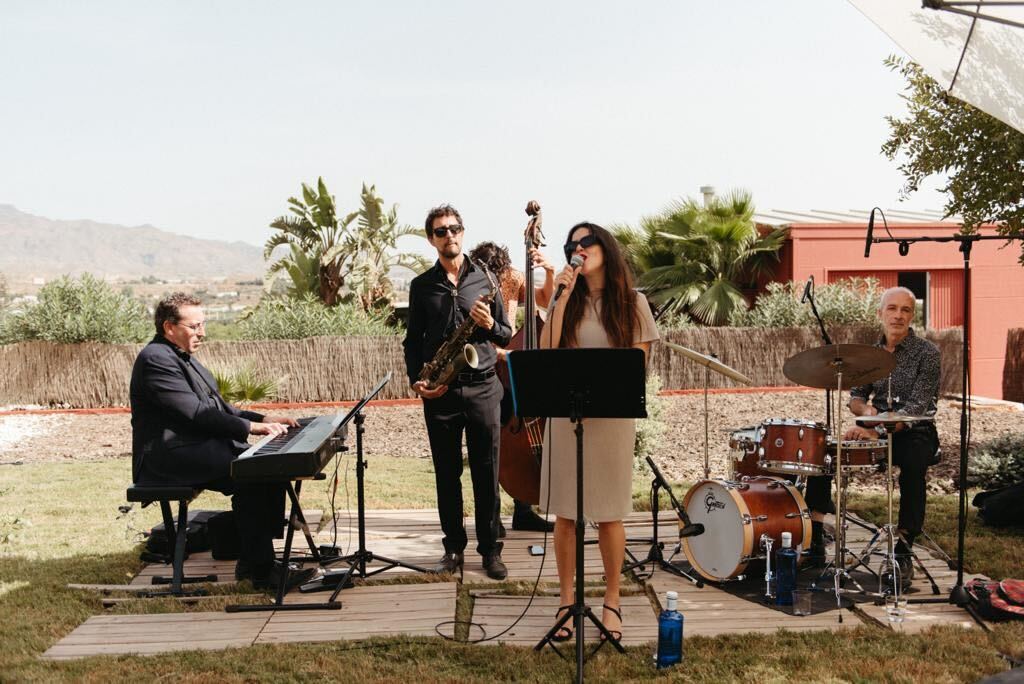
x=598, y=308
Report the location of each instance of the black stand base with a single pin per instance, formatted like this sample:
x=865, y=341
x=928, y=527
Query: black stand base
x=357, y=561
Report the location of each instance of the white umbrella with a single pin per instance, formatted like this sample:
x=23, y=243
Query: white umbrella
x=975, y=50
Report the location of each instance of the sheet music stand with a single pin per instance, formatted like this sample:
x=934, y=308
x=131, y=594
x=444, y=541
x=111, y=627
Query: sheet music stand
x=577, y=384
x=359, y=559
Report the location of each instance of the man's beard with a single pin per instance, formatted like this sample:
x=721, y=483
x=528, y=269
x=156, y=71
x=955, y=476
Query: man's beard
x=450, y=251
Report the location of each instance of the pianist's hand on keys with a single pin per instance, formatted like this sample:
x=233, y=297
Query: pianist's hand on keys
x=272, y=425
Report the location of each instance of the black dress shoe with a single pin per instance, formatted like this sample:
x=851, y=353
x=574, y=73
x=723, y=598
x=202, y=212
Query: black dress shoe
x=531, y=522
x=495, y=567
x=296, y=577
x=450, y=563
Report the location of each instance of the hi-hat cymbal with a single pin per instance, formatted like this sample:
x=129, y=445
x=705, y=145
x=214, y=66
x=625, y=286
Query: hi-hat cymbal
x=820, y=366
x=892, y=418
x=710, y=363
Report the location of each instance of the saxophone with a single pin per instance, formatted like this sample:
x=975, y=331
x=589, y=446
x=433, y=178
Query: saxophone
x=456, y=354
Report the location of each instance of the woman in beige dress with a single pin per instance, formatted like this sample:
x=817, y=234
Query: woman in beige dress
x=598, y=308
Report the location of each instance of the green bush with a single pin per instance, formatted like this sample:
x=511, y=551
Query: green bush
x=847, y=302
x=83, y=310
x=678, y=320
x=244, y=385
x=285, y=318
x=998, y=462
x=649, y=429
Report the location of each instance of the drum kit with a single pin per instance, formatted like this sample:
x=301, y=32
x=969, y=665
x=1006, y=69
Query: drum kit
x=745, y=515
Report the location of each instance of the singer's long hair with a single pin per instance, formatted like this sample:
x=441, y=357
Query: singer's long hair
x=619, y=315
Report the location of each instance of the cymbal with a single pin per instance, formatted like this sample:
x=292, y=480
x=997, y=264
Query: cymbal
x=820, y=366
x=892, y=418
x=710, y=363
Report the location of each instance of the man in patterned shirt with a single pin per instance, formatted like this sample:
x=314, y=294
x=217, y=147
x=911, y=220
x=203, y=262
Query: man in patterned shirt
x=914, y=391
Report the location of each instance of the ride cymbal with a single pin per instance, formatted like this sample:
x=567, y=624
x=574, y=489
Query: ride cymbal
x=820, y=367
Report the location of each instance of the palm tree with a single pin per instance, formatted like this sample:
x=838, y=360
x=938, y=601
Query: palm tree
x=697, y=258
x=318, y=242
x=373, y=256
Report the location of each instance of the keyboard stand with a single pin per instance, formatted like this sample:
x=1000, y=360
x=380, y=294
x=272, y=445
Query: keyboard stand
x=295, y=519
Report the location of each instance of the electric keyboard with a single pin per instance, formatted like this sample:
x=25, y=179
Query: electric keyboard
x=299, y=454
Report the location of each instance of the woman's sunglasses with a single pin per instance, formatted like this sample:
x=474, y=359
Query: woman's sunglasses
x=441, y=232
x=584, y=242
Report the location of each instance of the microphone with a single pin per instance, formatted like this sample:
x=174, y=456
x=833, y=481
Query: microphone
x=871, y=229
x=808, y=288
x=577, y=264
x=691, y=530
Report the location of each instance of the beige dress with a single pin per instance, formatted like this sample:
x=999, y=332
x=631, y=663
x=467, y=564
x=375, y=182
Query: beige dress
x=608, y=444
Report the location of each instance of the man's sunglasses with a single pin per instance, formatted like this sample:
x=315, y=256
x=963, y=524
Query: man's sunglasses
x=584, y=242
x=454, y=229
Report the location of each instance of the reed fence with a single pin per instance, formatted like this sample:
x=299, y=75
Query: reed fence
x=93, y=375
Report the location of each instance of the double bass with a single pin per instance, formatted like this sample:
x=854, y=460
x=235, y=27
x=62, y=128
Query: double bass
x=522, y=438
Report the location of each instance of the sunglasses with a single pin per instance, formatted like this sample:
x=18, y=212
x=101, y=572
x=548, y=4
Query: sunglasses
x=454, y=229
x=584, y=242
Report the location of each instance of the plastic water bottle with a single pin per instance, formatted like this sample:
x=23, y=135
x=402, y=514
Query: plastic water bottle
x=670, y=633
x=785, y=571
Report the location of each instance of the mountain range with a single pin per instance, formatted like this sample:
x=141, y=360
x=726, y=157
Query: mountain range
x=42, y=247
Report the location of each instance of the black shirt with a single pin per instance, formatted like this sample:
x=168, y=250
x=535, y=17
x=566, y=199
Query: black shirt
x=915, y=379
x=436, y=308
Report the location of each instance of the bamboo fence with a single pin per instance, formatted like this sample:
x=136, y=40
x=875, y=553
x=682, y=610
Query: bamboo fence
x=94, y=375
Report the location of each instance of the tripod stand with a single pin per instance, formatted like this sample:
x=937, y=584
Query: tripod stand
x=358, y=561
x=655, y=555
x=616, y=392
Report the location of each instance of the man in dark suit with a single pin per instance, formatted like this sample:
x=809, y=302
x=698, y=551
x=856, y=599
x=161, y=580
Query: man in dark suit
x=183, y=432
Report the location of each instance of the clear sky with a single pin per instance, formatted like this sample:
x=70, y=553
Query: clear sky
x=203, y=117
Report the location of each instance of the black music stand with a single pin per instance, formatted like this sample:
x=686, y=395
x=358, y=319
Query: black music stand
x=358, y=560
x=578, y=384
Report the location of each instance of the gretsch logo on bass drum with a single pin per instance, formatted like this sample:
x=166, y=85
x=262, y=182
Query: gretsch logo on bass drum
x=711, y=502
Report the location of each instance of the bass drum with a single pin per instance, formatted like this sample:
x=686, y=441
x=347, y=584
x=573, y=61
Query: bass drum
x=735, y=516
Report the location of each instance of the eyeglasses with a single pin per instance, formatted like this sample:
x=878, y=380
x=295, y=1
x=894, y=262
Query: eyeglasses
x=194, y=327
x=584, y=242
x=454, y=229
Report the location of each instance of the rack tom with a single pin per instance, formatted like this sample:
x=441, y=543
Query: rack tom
x=859, y=454
x=737, y=518
x=793, y=447
x=745, y=460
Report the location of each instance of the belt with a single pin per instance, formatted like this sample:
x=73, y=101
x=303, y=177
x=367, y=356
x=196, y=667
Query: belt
x=469, y=377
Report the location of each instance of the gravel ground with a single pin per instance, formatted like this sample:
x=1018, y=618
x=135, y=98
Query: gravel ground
x=399, y=431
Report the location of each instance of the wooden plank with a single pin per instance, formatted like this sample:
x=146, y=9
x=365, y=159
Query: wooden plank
x=367, y=611
x=158, y=633
x=920, y=617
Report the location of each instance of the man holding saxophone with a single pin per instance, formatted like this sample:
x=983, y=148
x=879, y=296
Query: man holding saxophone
x=454, y=304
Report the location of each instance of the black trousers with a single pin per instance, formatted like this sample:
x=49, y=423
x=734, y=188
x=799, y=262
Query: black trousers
x=913, y=451
x=259, y=516
x=473, y=409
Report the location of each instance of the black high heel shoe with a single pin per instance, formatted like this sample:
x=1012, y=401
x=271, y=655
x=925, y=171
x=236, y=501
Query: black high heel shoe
x=564, y=632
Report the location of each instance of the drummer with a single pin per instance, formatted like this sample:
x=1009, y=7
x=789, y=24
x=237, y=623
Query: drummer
x=914, y=392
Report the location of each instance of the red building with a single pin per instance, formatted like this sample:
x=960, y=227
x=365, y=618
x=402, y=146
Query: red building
x=830, y=246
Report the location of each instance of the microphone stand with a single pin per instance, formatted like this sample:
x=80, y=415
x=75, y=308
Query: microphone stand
x=828, y=341
x=958, y=595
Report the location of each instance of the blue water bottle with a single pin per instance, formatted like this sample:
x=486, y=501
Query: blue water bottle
x=670, y=633
x=785, y=571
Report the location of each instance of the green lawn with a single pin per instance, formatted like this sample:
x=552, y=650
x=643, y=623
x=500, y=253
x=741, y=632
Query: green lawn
x=64, y=526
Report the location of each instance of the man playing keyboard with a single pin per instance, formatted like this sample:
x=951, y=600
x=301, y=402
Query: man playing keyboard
x=184, y=433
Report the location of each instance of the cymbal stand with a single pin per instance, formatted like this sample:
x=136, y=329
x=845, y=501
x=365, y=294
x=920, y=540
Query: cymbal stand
x=837, y=567
x=707, y=467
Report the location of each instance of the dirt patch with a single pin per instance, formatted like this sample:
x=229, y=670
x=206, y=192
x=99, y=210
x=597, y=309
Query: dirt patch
x=399, y=431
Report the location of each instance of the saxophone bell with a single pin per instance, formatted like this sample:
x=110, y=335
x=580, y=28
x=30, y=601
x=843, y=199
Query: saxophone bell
x=468, y=358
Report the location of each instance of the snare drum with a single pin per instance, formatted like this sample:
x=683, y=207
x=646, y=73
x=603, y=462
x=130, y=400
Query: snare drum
x=791, y=446
x=736, y=516
x=745, y=460
x=860, y=454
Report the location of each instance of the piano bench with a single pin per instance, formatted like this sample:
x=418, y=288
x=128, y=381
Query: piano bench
x=176, y=532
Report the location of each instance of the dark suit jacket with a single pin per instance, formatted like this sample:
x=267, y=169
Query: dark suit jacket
x=183, y=432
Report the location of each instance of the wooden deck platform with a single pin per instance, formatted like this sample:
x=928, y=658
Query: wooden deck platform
x=414, y=536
